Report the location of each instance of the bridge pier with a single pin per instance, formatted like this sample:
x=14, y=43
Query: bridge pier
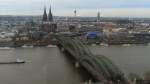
x=100, y=67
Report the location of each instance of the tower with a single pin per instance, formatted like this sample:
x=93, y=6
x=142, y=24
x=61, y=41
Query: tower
x=98, y=16
x=75, y=13
x=50, y=15
x=44, y=15
x=48, y=25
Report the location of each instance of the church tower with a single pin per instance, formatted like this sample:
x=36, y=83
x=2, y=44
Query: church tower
x=44, y=15
x=50, y=15
x=47, y=22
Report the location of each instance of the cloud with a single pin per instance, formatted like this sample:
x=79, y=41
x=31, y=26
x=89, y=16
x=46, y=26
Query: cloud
x=84, y=7
x=108, y=12
x=102, y=3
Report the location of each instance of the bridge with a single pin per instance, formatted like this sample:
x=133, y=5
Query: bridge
x=101, y=68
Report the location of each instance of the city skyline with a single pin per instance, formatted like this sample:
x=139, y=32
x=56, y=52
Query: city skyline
x=108, y=8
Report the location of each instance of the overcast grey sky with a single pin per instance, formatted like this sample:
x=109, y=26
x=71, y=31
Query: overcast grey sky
x=113, y=8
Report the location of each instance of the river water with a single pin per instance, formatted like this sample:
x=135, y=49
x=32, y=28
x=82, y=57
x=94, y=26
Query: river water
x=130, y=59
x=43, y=66
x=50, y=66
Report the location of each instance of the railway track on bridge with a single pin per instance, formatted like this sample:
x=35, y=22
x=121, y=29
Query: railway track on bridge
x=101, y=68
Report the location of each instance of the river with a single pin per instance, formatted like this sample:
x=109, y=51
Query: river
x=50, y=66
x=130, y=59
x=43, y=66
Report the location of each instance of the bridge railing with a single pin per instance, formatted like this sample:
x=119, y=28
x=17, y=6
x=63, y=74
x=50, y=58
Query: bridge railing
x=99, y=66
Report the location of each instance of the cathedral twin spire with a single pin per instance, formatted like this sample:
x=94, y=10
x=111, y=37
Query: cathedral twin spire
x=48, y=17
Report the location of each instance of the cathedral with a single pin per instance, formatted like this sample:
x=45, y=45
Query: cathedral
x=48, y=24
x=47, y=17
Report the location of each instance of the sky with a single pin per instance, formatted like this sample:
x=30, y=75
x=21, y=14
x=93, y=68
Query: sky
x=108, y=8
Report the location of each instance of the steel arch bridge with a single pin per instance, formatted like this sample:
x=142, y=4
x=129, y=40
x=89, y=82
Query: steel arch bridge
x=100, y=67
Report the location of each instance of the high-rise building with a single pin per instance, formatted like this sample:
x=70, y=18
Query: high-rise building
x=98, y=16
